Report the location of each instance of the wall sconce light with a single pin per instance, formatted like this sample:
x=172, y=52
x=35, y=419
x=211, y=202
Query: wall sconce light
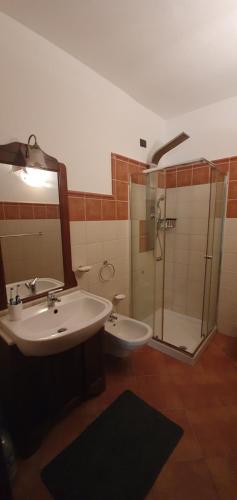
x=34, y=155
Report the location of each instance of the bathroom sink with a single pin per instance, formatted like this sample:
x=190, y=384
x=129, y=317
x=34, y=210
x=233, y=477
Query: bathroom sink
x=43, y=331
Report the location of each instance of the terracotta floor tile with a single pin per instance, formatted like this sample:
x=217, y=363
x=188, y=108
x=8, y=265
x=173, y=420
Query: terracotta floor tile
x=114, y=389
x=200, y=395
x=214, y=428
x=159, y=394
x=184, y=481
x=202, y=399
x=116, y=384
x=60, y=435
x=118, y=367
x=148, y=361
x=216, y=360
x=232, y=428
x=224, y=474
x=183, y=374
x=188, y=447
x=223, y=341
x=228, y=391
x=218, y=364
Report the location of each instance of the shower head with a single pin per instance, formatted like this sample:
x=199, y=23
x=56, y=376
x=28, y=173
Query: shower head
x=168, y=146
x=163, y=150
x=155, y=208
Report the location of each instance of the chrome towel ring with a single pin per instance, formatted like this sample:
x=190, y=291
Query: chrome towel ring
x=107, y=271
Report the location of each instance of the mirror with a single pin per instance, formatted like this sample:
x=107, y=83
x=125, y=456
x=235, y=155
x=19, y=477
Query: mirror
x=34, y=230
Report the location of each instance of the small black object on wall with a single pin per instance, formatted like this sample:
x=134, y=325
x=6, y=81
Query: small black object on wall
x=143, y=143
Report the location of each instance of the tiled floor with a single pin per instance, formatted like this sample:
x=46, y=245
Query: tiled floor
x=202, y=399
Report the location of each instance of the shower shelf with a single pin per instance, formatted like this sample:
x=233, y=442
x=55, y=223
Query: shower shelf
x=168, y=223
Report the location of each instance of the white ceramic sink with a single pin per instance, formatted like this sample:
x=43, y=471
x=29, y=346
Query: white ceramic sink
x=43, y=331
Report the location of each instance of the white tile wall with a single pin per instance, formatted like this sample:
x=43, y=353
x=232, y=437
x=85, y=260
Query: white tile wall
x=185, y=249
x=138, y=202
x=92, y=243
x=227, y=308
x=185, y=263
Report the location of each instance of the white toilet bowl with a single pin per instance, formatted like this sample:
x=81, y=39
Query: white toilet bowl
x=123, y=334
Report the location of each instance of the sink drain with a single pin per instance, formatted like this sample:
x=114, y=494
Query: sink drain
x=61, y=330
x=183, y=347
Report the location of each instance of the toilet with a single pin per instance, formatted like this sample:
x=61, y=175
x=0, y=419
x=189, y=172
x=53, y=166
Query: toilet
x=124, y=334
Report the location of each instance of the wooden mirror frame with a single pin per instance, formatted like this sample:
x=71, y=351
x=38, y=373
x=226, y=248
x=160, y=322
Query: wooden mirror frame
x=15, y=153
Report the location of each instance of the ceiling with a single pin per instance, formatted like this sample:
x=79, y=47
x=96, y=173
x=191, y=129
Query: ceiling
x=172, y=56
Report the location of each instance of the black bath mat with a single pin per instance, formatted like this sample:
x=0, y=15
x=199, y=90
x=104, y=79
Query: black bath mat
x=117, y=457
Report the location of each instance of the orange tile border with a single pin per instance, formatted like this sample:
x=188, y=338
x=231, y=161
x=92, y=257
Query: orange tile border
x=11, y=210
x=52, y=211
x=107, y=206
x=122, y=170
x=96, y=206
x=233, y=170
x=231, y=209
x=122, y=210
x=170, y=179
x=223, y=167
x=2, y=217
x=122, y=167
x=201, y=175
x=184, y=177
x=121, y=191
x=28, y=211
x=232, y=191
x=93, y=209
x=76, y=207
x=108, y=210
x=39, y=211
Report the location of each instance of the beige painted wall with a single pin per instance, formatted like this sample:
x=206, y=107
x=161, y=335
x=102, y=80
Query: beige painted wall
x=78, y=116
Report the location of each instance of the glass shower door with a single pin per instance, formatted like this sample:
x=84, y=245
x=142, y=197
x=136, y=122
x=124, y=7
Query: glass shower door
x=213, y=250
x=142, y=263
x=147, y=258
x=187, y=214
x=176, y=234
x=159, y=217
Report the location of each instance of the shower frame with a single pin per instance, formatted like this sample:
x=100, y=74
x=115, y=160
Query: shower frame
x=160, y=343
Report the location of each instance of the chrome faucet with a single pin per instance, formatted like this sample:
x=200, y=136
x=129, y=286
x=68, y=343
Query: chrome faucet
x=112, y=317
x=52, y=297
x=31, y=285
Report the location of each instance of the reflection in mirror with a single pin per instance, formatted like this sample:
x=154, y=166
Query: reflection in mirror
x=30, y=230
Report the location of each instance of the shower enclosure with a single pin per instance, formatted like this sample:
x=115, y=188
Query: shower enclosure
x=176, y=236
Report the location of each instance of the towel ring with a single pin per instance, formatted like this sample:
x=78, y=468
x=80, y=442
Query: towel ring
x=107, y=271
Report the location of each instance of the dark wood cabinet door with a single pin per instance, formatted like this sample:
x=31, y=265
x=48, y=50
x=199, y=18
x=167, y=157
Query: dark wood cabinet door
x=5, y=489
x=93, y=360
x=36, y=390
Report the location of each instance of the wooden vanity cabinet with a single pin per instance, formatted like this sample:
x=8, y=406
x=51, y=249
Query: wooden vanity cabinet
x=34, y=391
